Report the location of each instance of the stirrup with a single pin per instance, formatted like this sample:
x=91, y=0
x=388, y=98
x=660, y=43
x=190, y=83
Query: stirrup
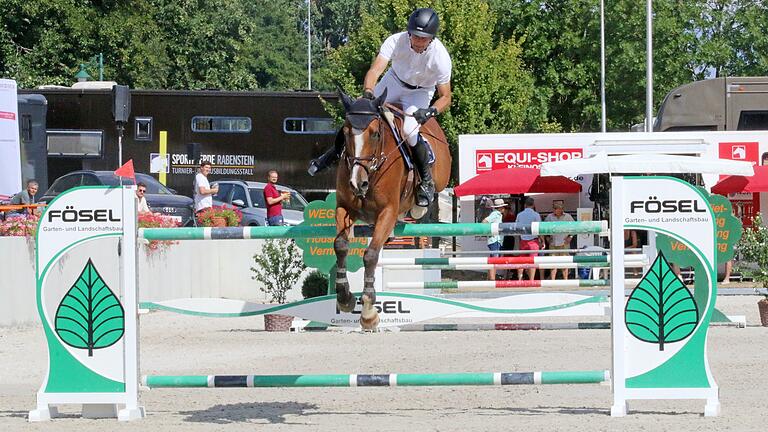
x=314, y=167
x=425, y=193
x=320, y=164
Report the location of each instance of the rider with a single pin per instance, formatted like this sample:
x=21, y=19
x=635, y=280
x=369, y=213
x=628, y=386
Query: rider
x=420, y=63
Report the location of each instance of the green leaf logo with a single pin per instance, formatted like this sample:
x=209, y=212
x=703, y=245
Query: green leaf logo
x=90, y=316
x=661, y=309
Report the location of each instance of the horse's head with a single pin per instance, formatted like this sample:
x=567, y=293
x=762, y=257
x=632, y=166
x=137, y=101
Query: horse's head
x=363, y=150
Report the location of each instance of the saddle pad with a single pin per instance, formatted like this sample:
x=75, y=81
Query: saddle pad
x=395, y=122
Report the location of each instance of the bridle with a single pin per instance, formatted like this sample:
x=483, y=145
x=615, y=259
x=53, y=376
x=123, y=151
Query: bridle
x=372, y=163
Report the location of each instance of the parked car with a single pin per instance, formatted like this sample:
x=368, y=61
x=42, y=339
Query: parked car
x=248, y=197
x=160, y=199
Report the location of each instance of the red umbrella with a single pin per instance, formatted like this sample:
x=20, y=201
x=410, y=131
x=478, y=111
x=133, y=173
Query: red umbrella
x=737, y=183
x=515, y=181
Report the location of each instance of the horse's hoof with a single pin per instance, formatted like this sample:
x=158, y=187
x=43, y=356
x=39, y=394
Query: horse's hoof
x=346, y=304
x=418, y=212
x=370, y=323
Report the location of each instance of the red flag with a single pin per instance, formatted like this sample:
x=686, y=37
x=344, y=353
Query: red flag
x=126, y=171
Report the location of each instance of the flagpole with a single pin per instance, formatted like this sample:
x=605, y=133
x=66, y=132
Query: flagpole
x=603, y=116
x=649, y=67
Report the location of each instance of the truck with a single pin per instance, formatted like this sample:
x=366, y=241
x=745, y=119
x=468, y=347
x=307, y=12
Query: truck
x=722, y=104
x=169, y=132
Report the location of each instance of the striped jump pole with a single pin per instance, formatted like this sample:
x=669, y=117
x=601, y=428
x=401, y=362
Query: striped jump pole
x=527, y=260
x=506, y=326
x=568, y=283
x=540, y=251
x=597, y=325
x=377, y=380
x=507, y=266
x=401, y=230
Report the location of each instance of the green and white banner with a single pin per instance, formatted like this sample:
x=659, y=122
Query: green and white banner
x=89, y=330
x=662, y=329
x=397, y=309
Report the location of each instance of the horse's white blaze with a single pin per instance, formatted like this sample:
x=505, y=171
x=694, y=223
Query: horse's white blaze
x=358, y=133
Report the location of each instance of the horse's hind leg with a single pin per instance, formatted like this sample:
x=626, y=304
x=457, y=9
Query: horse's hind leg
x=369, y=318
x=344, y=298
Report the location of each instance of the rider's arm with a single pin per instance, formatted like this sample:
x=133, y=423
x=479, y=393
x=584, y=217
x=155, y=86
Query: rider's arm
x=377, y=68
x=444, y=100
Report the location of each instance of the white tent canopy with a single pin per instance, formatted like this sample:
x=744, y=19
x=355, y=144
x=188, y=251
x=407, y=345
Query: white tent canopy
x=601, y=163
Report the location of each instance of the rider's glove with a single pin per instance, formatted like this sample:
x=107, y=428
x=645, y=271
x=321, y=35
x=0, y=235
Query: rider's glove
x=423, y=114
x=367, y=94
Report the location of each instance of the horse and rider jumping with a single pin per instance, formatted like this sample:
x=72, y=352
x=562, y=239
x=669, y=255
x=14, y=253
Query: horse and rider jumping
x=372, y=182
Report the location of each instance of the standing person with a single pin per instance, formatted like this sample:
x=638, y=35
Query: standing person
x=558, y=241
x=630, y=239
x=141, y=205
x=494, y=242
x=26, y=197
x=274, y=200
x=508, y=241
x=420, y=65
x=528, y=242
x=203, y=193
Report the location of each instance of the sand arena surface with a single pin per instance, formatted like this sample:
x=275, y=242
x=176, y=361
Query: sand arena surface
x=177, y=345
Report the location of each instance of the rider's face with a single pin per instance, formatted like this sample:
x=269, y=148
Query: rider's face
x=419, y=43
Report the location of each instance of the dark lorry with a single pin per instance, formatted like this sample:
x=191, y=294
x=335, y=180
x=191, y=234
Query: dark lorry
x=243, y=134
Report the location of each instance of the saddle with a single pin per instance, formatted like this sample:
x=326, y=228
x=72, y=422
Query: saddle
x=395, y=116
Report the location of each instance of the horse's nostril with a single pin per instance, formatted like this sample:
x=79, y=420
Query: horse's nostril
x=364, y=184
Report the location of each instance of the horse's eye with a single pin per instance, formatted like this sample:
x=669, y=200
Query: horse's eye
x=375, y=136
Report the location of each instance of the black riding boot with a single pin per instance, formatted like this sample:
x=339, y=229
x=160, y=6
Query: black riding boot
x=329, y=157
x=425, y=192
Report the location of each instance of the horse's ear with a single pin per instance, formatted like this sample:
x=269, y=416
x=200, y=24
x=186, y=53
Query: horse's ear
x=345, y=99
x=379, y=101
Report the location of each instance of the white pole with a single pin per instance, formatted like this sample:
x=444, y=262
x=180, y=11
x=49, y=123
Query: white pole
x=602, y=66
x=649, y=67
x=618, y=329
x=309, y=45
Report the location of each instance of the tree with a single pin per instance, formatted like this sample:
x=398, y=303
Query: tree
x=733, y=38
x=176, y=44
x=561, y=44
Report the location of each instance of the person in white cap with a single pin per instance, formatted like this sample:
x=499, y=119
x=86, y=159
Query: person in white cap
x=494, y=242
x=558, y=241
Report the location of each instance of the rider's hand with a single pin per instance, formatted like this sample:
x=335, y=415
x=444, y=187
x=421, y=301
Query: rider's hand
x=367, y=94
x=423, y=114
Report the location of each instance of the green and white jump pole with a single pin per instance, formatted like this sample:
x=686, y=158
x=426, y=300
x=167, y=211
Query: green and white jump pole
x=401, y=230
x=377, y=380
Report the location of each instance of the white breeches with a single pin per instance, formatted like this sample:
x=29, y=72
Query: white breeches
x=411, y=100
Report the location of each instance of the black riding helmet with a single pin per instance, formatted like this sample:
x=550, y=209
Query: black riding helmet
x=423, y=22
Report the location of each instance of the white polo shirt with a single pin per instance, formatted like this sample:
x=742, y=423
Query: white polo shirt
x=426, y=69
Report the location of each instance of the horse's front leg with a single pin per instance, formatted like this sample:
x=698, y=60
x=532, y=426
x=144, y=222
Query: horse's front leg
x=369, y=318
x=344, y=298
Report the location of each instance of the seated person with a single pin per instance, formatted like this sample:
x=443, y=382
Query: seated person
x=141, y=205
x=27, y=197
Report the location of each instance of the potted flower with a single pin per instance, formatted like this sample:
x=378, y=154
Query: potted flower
x=754, y=250
x=21, y=225
x=278, y=266
x=157, y=220
x=220, y=216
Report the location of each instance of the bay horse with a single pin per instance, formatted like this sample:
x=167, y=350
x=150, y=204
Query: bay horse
x=372, y=185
